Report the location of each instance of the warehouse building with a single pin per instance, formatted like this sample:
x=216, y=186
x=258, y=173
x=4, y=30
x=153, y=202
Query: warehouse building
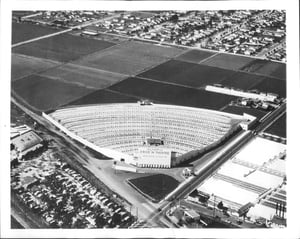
x=23, y=140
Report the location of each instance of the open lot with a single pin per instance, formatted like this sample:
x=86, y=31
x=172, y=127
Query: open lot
x=63, y=47
x=268, y=68
x=272, y=85
x=177, y=95
x=278, y=127
x=195, y=56
x=81, y=75
x=228, y=61
x=185, y=73
x=156, y=187
x=22, y=65
x=239, y=110
x=44, y=93
x=25, y=31
x=103, y=97
x=242, y=80
x=129, y=57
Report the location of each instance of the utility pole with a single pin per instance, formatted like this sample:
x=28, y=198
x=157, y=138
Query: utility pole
x=214, y=204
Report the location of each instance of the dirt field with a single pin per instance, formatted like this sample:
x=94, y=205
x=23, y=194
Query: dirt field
x=194, y=56
x=240, y=110
x=129, y=57
x=278, y=127
x=25, y=31
x=22, y=66
x=177, y=95
x=85, y=76
x=188, y=74
x=156, y=187
x=227, y=61
x=268, y=68
x=102, y=97
x=64, y=47
x=45, y=94
x=272, y=85
x=242, y=80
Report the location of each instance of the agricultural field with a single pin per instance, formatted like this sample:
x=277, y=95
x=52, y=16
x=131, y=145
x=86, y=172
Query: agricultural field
x=44, y=93
x=22, y=65
x=155, y=187
x=24, y=31
x=195, y=56
x=239, y=110
x=103, y=97
x=267, y=68
x=187, y=74
x=171, y=94
x=242, y=80
x=129, y=57
x=63, y=47
x=228, y=61
x=278, y=128
x=84, y=76
x=272, y=85
x=22, y=13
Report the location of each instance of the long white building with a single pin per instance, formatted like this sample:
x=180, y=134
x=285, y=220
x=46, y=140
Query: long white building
x=119, y=130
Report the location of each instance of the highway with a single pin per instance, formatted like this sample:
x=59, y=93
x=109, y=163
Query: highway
x=212, y=163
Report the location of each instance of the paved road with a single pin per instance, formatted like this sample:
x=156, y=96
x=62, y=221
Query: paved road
x=232, y=147
x=141, y=206
x=181, y=46
x=85, y=24
x=24, y=216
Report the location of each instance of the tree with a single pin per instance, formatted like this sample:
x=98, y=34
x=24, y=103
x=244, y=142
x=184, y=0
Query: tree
x=174, y=18
x=220, y=205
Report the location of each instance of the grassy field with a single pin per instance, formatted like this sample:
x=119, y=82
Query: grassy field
x=240, y=110
x=242, y=80
x=195, y=56
x=63, y=47
x=267, y=68
x=25, y=31
x=45, y=94
x=166, y=93
x=103, y=97
x=88, y=77
x=155, y=187
x=129, y=57
x=188, y=74
x=22, y=66
x=272, y=85
x=278, y=127
x=228, y=61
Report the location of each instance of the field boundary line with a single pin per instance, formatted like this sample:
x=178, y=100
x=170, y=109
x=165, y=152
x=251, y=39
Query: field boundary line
x=205, y=59
x=138, y=97
x=166, y=82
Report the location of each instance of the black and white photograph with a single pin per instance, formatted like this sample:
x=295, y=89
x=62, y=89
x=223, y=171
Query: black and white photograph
x=142, y=119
